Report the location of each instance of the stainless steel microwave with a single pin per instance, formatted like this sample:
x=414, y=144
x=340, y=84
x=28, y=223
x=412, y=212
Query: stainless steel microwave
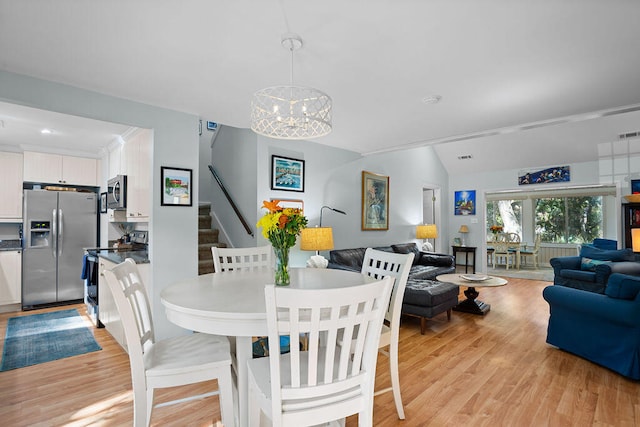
x=117, y=192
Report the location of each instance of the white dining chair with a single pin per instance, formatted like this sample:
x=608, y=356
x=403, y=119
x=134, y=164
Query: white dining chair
x=379, y=264
x=166, y=363
x=242, y=259
x=533, y=252
x=503, y=255
x=328, y=382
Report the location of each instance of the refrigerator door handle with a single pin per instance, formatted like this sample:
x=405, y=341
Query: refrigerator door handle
x=60, y=233
x=54, y=233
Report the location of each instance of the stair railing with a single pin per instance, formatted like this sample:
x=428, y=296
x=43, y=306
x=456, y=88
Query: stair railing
x=233, y=205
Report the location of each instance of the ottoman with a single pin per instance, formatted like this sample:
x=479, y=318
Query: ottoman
x=428, y=298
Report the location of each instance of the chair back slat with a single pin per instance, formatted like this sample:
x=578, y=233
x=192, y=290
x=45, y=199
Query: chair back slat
x=242, y=259
x=327, y=372
x=380, y=264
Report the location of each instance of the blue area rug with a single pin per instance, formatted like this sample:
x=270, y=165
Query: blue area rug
x=40, y=338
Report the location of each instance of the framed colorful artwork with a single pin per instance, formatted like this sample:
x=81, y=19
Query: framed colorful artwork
x=175, y=184
x=545, y=176
x=287, y=174
x=375, y=201
x=465, y=202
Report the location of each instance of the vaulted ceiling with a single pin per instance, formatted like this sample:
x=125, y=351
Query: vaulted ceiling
x=516, y=77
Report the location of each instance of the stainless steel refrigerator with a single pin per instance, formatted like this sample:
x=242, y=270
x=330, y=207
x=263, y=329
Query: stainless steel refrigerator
x=57, y=226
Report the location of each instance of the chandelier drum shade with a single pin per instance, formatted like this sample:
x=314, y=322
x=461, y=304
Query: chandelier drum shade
x=291, y=112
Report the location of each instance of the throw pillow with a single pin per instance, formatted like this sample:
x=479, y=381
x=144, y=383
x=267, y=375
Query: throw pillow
x=588, y=264
x=592, y=252
x=408, y=248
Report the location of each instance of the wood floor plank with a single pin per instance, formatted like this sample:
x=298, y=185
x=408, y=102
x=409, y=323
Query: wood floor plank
x=492, y=370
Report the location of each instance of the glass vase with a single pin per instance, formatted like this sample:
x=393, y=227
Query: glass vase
x=282, y=266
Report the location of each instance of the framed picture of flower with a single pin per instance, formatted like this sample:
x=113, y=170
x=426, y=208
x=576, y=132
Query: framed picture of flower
x=175, y=184
x=375, y=201
x=287, y=174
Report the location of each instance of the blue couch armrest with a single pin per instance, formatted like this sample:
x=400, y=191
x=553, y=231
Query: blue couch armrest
x=594, y=306
x=603, y=271
x=565, y=263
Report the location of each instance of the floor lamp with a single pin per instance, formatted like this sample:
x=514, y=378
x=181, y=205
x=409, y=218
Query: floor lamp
x=427, y=231
x=635, y=239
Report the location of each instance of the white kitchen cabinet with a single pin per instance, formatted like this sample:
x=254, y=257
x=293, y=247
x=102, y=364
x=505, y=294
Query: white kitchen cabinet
x=56, y=168
x=10, y=277
x=116, y=166
x=137, y=154
x=11, y=165
x=108, y=312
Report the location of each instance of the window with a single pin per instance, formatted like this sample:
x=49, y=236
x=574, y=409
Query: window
x=569, y=219
x=506, y=213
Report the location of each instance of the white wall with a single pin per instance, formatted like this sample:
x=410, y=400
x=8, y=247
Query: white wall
x=173, y=230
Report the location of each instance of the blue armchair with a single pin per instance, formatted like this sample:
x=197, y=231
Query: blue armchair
x=591, y=270
x=602, y=328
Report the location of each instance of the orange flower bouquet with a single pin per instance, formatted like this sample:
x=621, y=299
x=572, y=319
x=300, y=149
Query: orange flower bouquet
x=281, y=226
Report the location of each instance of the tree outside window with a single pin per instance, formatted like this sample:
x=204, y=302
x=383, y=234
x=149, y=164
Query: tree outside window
x=569, y=219
x=507, y=213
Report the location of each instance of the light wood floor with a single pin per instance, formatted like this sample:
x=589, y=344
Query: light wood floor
x=493, y=370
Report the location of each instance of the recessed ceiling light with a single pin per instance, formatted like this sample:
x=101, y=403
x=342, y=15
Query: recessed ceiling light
x=431, y=99
x=46, y=131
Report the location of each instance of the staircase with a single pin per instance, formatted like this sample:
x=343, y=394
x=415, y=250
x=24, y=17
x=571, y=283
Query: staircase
x=207, y=238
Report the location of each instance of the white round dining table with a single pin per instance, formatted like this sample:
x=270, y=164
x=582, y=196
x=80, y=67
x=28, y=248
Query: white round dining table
x=232, y=304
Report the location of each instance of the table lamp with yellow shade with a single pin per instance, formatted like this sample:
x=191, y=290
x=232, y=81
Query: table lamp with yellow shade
x=427, y=231
x=317, y=239
x=463, y=232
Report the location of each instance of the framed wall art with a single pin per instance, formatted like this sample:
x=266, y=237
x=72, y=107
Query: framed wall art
x=291, y=203
x=287, y=174
x=465, y=202
x=175, y=184
x=545, y=175
x=375, y=201
x=103, y=202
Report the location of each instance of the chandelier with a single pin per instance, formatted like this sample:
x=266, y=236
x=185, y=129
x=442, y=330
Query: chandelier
x=291, y=112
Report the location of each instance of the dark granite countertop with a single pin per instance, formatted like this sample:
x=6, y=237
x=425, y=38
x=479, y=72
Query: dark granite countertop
x=139, y=256
x=11, y=245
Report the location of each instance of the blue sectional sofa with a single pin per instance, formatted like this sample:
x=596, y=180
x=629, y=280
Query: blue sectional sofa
x=601, y=327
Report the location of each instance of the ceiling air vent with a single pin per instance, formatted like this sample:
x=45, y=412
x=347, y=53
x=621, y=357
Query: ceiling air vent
x=465, y=157
x=629, y=135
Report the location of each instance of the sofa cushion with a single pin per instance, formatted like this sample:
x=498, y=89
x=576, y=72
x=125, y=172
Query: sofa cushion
x=622, y=287
x=585, y=276
x=351, y=258
x=606, y=255
x=588, y=264
x=428, y=293
x=408, y=248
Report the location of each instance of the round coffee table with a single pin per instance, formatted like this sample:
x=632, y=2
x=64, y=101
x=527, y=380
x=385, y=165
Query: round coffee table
x=471, y=305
